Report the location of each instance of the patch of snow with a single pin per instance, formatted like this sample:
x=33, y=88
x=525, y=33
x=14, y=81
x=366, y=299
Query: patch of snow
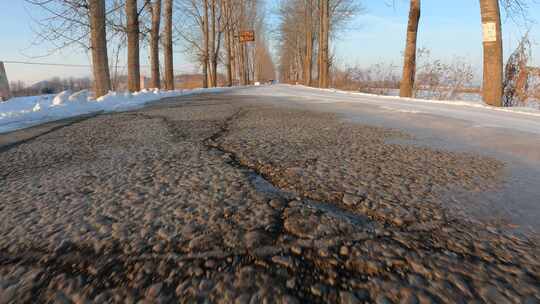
x=81, y=96
x=22, y=112
x=37, y=107
x=61, y=98
x=530, y=109
x=520, y=119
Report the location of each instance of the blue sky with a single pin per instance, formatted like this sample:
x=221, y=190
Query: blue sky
x=448, y=28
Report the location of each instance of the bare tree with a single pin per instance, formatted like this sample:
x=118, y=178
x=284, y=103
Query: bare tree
x=516, y=74
x=304, y=33
x=308, y=28
x=98, y=38
x=324, y=35
x=206, y=50
x=77, y=22
x=241, y=49
x=409, y=65
x=194, y=15
x=168, y=44
x=215, y=40
x=133, y=58
x=440, y=80
x=263, y=65
x=155, y=11
x=493, y=52
x=294, y=41
x=229, y=26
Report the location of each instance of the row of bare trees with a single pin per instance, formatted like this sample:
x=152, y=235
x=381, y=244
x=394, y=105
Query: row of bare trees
x=304, y=35
x=210, y=30
x=204, y=27
x=93, y=24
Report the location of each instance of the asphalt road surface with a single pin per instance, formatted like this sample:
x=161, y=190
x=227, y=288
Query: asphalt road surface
x=271, y=195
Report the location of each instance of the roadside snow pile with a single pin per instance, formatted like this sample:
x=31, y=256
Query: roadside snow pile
x=532, y=108
x=21, y=112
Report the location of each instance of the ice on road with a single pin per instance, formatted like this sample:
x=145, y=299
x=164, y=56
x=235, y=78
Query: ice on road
x=510, y=135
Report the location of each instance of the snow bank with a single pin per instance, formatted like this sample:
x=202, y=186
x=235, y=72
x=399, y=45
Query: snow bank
x=532, y=109
x=21, y=112
x=395, y=109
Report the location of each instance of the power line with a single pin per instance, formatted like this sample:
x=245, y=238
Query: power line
x=66, y=64
x=47, y=64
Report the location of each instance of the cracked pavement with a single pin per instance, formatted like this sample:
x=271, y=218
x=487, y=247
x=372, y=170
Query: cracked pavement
x=221, y=198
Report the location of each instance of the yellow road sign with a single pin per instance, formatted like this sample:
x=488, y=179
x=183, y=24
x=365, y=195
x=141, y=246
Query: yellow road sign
x=247, y=36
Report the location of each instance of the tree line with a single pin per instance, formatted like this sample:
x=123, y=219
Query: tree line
x=305, y=29
x=207, y=29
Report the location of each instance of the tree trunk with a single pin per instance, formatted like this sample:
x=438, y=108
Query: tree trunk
x=320, y=52
x=155, y=9
x=323, y=43
x=205, y=47
x=493, y=52
x=213, y=47
x=134, y=73
x=98, y=37
x=245, y=64
x=215, y=60
x=227, y=27
x=168, y=45
x=243, y=56
x=242, y=63
x=409, y=66
x=236, y=60
x=308, y=60
x=229, y=58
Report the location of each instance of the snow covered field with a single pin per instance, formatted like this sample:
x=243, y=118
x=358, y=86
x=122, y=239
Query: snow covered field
x=470, y=100
x=22, y=112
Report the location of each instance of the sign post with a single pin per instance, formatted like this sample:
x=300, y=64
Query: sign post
x=244, y=37
x=247, y=36
x=4, y=84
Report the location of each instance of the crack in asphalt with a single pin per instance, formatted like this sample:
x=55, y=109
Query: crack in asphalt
x=102, y=268
x=97, y=268
x=262, y=182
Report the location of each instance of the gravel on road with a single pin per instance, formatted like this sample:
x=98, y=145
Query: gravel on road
x=221, y=199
